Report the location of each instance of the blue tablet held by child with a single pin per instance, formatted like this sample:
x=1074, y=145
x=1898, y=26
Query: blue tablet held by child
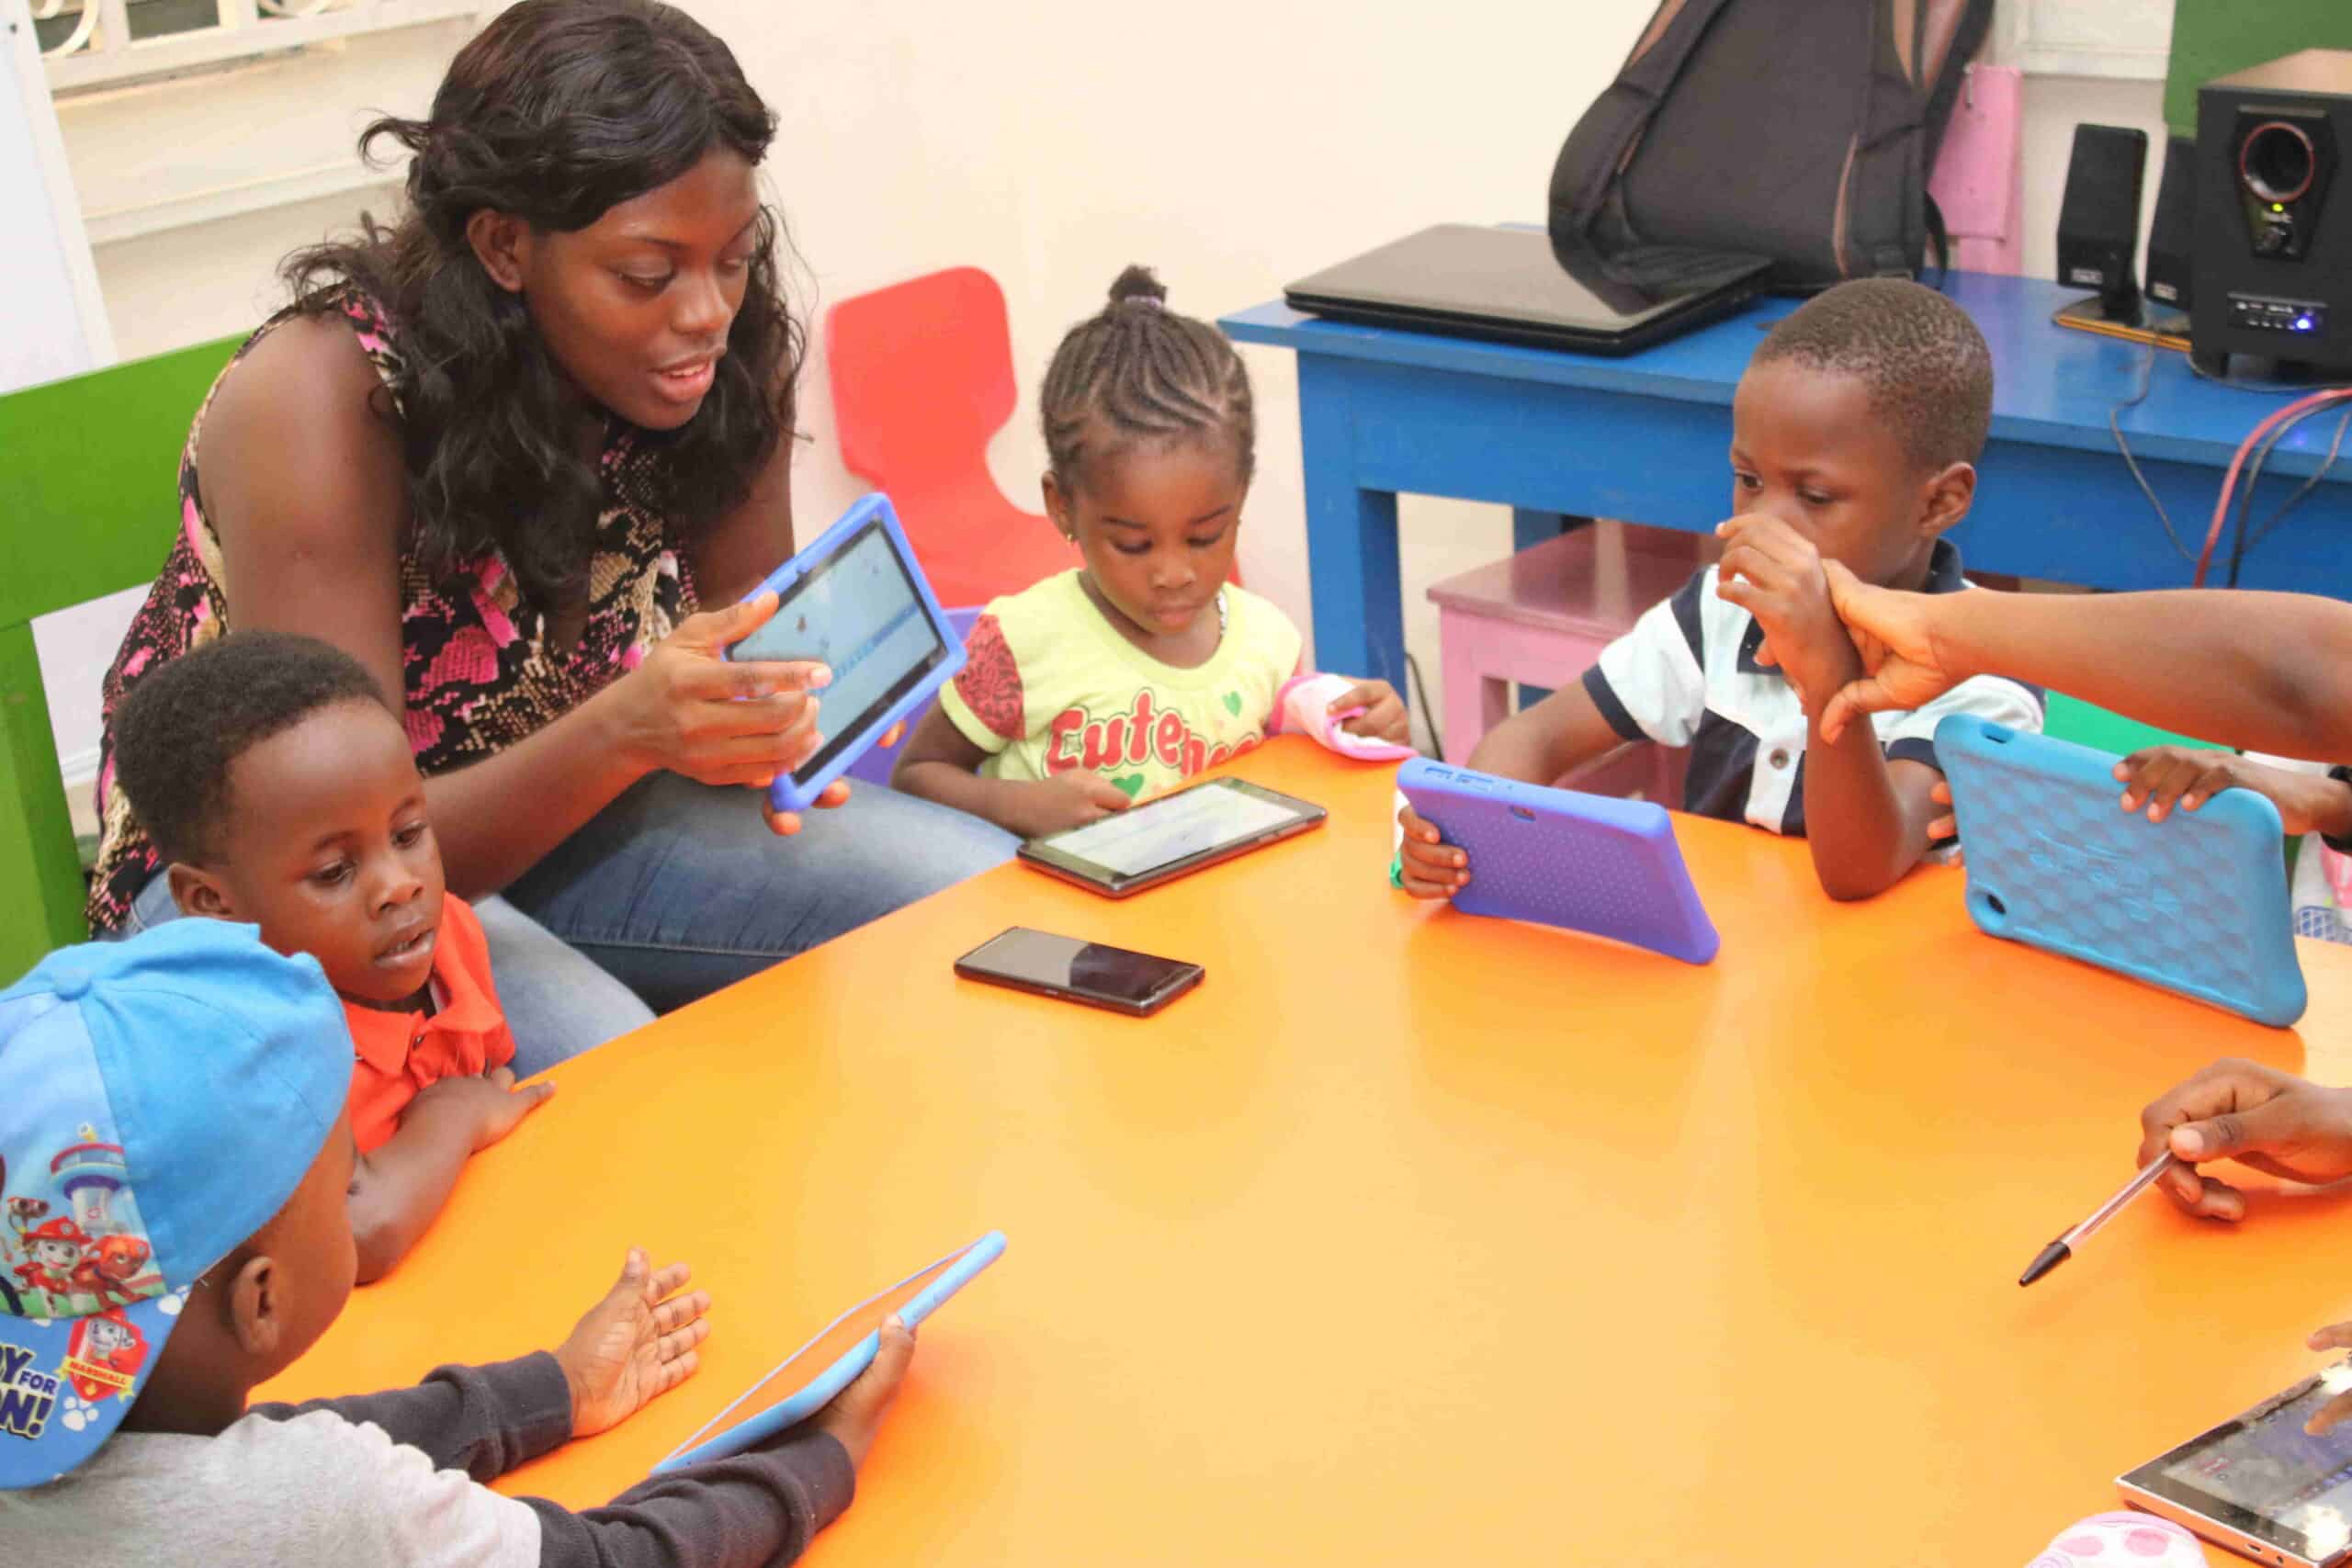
x=807, y=1380
x=1588, y=863
x=856, y=603
x=2196, y=904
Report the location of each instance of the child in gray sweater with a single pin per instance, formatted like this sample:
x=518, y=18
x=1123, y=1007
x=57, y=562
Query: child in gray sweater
x=174, y=1159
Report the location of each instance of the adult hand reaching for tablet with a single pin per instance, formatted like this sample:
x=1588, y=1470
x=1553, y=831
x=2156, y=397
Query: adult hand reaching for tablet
x=2274, y=1122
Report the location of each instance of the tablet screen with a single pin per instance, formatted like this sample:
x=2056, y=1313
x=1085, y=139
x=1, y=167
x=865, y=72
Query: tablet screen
x=2263, y=1474
x=1190, y=822
x=858, y=613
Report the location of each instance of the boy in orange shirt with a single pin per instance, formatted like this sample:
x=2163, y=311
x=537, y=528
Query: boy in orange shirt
x=279, y=789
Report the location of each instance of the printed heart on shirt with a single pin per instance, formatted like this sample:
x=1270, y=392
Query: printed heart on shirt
x=1233, y=703
x=1131, y=783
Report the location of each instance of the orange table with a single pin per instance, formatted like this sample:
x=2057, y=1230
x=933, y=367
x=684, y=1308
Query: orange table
x=1413, y=1237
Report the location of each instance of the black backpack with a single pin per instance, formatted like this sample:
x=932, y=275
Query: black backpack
x=1798, y=131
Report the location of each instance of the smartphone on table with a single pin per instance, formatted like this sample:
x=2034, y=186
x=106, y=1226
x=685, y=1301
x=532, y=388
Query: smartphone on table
x=1090, y=971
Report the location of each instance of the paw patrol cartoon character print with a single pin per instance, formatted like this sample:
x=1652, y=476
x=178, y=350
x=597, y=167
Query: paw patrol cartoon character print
x=104, y=1357
x=51, y=1253
x=78, y=1241
x=22, y=1213
x=110, y=1272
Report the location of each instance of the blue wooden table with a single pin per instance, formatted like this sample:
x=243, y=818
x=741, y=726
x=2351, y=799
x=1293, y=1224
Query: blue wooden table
x=1646, y=438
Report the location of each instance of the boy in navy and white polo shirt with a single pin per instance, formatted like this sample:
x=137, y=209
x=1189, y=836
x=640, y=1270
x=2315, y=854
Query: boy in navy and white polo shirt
x=1855, y=433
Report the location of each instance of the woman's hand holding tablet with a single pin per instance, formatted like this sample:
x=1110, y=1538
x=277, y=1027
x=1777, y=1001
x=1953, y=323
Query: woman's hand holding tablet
x=689, y=710
x=854, y=604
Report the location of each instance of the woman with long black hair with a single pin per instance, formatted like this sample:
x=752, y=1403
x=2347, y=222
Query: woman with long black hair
x=520, y=454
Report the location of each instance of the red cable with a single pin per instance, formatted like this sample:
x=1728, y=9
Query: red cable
x=2229, y=481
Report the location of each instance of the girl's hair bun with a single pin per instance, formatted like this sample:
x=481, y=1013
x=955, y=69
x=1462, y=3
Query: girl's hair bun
x=1137, y=282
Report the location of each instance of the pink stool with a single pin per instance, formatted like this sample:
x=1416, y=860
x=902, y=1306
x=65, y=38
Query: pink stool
x=1540, y=617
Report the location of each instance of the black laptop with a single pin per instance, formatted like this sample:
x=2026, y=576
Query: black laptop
x=1510, y=285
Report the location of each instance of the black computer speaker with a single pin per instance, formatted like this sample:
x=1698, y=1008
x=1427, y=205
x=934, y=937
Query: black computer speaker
x=2274, y=223
x=2098, y=223
x=2173, y=233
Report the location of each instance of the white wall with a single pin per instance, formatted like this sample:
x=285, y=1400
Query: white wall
x=166, y=290
x=1232, y=146
x=2053, y=106
x=146, y=159
x=51, y=321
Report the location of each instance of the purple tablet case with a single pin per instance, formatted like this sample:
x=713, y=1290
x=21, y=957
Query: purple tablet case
x=798, y=791
x=1585, y=863
x=2195, y=903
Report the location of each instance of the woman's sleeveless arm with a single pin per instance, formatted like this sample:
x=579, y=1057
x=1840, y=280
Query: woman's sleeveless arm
x=303, y=481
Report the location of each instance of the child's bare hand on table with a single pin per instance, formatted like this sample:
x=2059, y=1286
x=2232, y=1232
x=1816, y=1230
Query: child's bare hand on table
x=634, y=1346
x=491, y=1102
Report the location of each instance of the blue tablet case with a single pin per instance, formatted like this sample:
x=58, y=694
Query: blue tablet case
x=824, y=1382
x=1588, y=863
x=799, y=792
x=2195, y=903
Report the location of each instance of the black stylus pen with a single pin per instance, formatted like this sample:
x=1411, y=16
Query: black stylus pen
x=2058, y=1251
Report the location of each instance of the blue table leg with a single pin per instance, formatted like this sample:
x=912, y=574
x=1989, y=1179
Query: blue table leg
x=1351, y=563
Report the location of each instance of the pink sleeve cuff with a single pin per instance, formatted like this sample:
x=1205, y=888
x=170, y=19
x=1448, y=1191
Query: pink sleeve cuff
x=1281, y=699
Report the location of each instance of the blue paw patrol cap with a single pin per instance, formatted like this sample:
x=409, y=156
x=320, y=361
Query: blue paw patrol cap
x=160, y=1100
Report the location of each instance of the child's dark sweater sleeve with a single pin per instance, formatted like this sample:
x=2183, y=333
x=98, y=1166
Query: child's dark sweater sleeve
x=756, y=1510
x=483, y=1420
x=759, y=1509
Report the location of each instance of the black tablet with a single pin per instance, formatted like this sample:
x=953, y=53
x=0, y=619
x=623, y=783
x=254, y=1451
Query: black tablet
x=2260, y=1484
x=1160, y=840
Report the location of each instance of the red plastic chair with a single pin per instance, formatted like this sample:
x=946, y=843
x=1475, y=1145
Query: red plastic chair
x=922, y=376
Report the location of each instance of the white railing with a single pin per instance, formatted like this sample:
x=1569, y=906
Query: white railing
x=99, y=49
